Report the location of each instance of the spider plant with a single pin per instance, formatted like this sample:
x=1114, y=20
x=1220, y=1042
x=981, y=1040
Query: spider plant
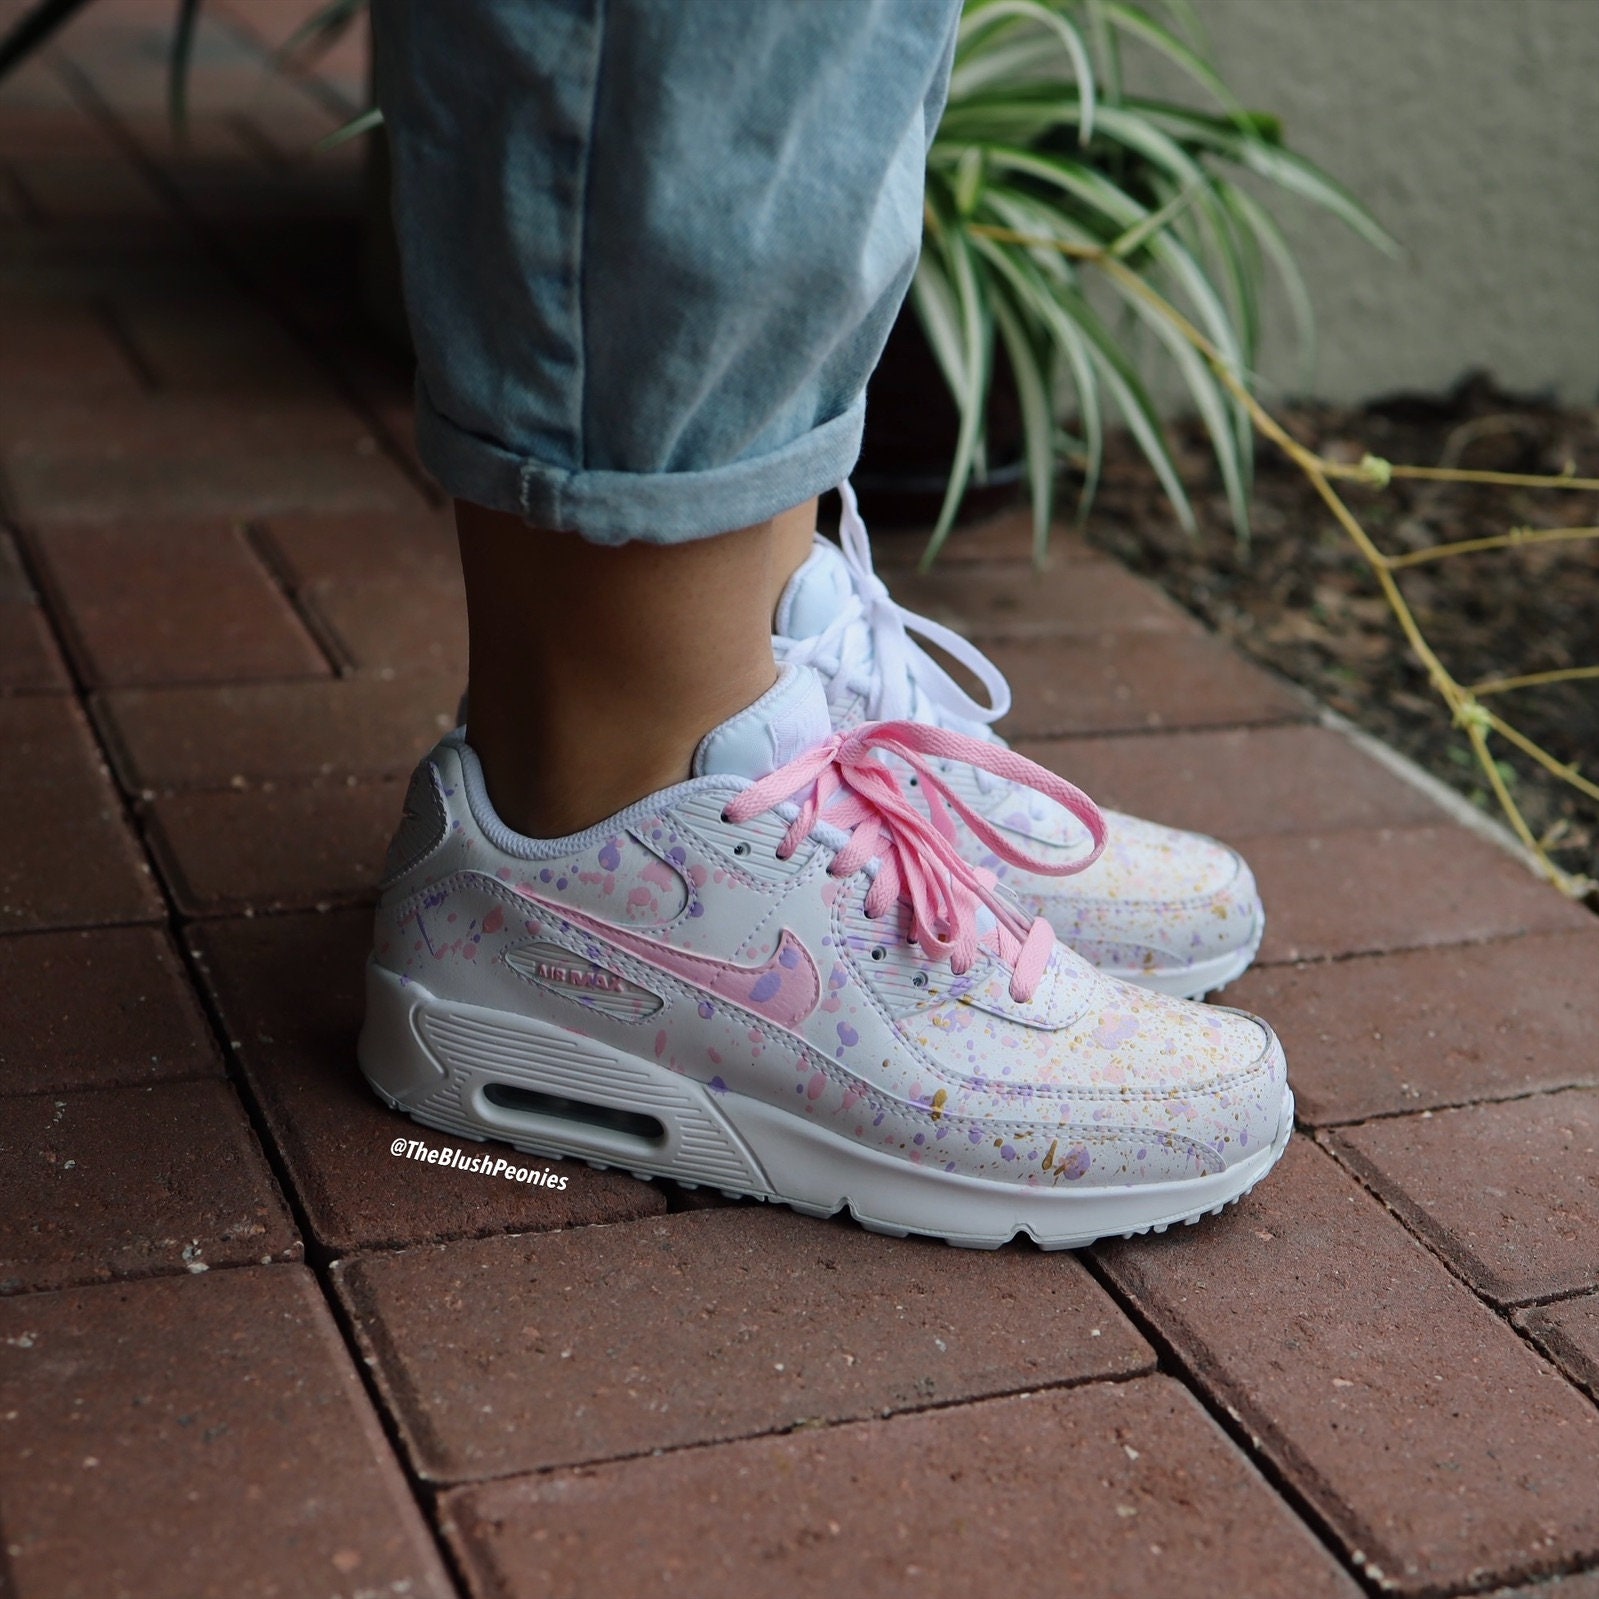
x=1043, y=159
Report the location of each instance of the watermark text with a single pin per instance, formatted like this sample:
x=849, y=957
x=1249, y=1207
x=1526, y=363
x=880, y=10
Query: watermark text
x=490, y=1165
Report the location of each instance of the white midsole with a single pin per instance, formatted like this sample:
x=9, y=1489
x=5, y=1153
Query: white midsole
x=1199, y=979
x=453, y=1066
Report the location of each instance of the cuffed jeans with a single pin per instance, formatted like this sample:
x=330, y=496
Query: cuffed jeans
x=652, y=249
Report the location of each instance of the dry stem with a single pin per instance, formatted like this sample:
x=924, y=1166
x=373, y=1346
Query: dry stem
x=1464, y=705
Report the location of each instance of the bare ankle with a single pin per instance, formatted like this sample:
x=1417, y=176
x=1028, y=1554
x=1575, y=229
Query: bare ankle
x=597, y=669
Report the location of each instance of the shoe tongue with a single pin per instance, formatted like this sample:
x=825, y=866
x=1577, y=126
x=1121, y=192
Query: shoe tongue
x=788, y=719
x=815, y=593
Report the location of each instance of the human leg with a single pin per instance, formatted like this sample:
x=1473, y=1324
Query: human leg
x=647, y=288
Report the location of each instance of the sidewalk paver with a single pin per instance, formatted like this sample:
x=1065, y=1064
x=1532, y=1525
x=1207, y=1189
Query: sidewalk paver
x=104, y=1009
x=237, y=735
x=1004, y=538
x=1068, y=599
x=220, y=619
x=1120, y=1490
x=1507, y=1193
x=1369, y=890
x=350, y=550
x=389, y=622
x=1136, y=682
x=55, y=348
x=1568, y=1333
x=290, y=992
x=29, y=659
x=292, y=846
x=1427, y=1028
x=220, y=347
x=512, y=1354
x=1439, y=1449
x=190, y=457
x=198, y=1436
x=1239, y=782
x=71, y=860
x=133, y=1182
x=1579, y=1585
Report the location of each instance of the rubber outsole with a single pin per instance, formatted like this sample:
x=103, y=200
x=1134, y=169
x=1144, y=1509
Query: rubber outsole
x=457, y=1068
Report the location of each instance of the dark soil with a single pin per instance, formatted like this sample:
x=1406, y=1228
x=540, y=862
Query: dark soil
x=1301, y=599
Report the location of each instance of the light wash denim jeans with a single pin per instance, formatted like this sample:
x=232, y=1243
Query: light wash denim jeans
x=652, y=248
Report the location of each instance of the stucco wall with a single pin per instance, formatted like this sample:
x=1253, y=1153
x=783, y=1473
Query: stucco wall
x=1471, y=129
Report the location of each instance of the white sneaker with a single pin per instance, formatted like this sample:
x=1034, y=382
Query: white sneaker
x=781, y=978
x=1173, y=911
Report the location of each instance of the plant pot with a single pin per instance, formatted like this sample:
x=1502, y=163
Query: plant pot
x=912, y=427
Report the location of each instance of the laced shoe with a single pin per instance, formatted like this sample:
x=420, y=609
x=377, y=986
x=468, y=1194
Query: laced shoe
x=782, y=978
x=1170, y=910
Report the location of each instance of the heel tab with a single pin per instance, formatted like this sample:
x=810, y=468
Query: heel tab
x=424, y=823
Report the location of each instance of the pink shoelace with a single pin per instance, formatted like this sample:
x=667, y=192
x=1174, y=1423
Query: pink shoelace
x=847, y=786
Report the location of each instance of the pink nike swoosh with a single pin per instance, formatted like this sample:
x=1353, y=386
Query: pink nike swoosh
x=785, y=989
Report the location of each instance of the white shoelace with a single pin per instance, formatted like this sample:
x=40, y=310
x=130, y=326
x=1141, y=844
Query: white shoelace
x=869, y=647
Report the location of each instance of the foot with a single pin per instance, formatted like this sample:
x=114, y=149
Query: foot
x=781, y=979
x=1168, y=910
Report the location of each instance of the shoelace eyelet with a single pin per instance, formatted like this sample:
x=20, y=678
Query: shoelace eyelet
x=919, y=980
x=741, y=848
x=879, y=953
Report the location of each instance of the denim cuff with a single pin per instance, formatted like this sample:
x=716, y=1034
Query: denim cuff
x=651, y=507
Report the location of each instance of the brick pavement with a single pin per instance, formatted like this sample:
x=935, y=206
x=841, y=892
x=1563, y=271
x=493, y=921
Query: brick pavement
x=245, y=1351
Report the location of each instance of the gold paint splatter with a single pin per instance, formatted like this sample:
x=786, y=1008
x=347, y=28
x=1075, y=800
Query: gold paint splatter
x=938, y=1103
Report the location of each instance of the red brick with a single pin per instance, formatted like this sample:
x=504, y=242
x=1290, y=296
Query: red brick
x=290, y=992
x=221, y=343
x=198, y=1436
x=512, y=1354
x=53, y=349
x=87, y=184
x=1438, y=1449
x=171, y=430
x=1508, y=1193
x=1239, y=781
x=208, y=610
x=1069, y=598
x=1122, y=1490
x=395, y=624
x=97, y=1010
x=28, y=655
x=1569, y=1334
x=133, y=1182
x=87, y=265
x=1430, y=1028
x=1136, y=682
x=1580, y=1585
x=295, y=847
x=14, y=206
x=237, y=734
x=1369, y=891
x=192, y=457
x=38, y=115
x=356, y=549
x=1004, y=537
x=70, y=859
